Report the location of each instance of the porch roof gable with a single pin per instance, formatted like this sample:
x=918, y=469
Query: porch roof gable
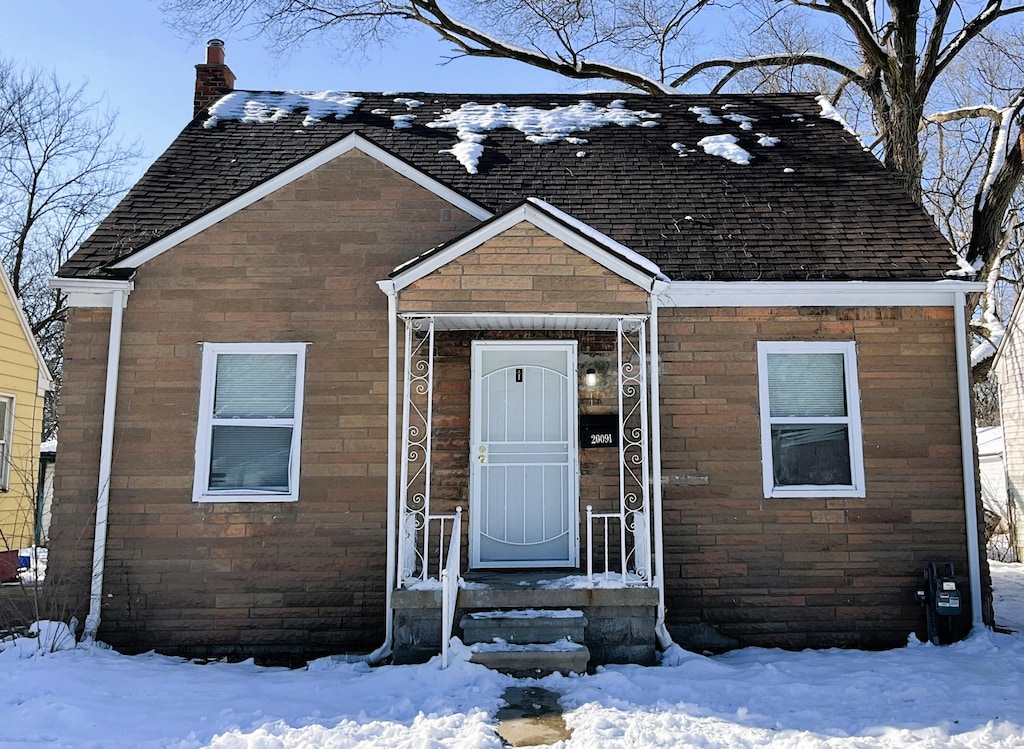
x=594, y=244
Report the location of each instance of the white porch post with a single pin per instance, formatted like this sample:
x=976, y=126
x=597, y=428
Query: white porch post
x=659, y=537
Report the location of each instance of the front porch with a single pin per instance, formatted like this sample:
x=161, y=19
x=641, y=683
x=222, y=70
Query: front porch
x=598, y=554
x=524, y=440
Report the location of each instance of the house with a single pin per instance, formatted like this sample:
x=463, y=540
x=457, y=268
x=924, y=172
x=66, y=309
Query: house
x=24, y=381
x=1008, y=366
x=682, y=364
x=999, y=514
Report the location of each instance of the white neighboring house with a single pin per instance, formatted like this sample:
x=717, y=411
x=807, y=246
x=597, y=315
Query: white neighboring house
x=1008, y=366
x=994, y=494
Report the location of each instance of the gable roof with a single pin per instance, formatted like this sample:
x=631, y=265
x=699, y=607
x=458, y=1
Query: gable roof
x=811, y=204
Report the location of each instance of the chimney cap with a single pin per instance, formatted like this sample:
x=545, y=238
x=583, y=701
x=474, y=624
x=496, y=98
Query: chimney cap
x=215, y=43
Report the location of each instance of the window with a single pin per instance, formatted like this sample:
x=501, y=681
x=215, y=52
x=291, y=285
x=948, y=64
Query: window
x=810, y=420
x=6, y=437
x=250, y=417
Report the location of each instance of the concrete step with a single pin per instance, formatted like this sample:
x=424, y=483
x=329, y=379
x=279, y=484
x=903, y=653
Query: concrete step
x=522, y=626
x=523, y=661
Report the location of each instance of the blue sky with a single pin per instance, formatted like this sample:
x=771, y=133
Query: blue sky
x=125, y=53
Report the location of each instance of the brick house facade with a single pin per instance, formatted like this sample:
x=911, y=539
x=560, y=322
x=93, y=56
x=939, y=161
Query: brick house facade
x=394, y=280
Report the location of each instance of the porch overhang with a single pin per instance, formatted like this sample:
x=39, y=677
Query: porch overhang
x=491, y=321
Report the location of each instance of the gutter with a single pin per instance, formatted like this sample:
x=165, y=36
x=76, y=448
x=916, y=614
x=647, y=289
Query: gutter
x=963, y=372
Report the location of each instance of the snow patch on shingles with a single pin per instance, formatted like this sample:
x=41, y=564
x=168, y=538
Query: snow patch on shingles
x=471, y=121
x=829, y=112
x=745, y=123
x=768, y=141
x=409, y=103
x=725, y=147
x=403, y=121
x=262, y=107
x=704, y=116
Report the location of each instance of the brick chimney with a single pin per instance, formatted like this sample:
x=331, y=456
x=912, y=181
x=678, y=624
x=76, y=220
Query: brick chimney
x=214, y=78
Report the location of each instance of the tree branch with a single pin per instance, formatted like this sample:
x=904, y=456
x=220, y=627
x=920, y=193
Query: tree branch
x=764, y=61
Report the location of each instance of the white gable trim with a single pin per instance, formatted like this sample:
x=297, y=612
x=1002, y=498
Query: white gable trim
x=44, y=382
x=816, y=293
x=349, y=143
x=591, y=245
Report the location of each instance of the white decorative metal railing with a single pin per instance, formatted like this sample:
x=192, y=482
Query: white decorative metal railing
x=603, y=518
x=634, y=453
x=414, y=483
x=634, y=552
x=450, y=576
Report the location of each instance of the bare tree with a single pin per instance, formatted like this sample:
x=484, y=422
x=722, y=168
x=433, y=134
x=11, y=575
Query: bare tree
x=61, y=169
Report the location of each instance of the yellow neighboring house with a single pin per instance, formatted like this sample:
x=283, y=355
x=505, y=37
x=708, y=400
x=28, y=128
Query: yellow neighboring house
x=24, y=380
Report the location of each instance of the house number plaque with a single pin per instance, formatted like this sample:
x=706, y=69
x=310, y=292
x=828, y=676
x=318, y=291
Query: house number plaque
x=599, y=430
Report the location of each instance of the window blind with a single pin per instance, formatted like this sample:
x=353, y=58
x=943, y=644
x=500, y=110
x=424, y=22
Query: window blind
x=810, y=384
x=255, y=386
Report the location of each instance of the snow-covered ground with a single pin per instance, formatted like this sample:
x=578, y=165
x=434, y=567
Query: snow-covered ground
x=970, y=694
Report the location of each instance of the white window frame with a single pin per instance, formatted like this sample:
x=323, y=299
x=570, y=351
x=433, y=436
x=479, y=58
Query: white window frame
x=204, y=434
x=7, y=442
x=852, y=419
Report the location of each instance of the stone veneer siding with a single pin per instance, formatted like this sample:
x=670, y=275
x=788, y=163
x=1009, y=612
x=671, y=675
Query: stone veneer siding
x=303, y=578
x=809, y=572
x=307, y=578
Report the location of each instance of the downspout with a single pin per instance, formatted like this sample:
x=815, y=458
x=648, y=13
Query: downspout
x=660, y=631
x=119, y=300
x=963, y=372
x=388, y=287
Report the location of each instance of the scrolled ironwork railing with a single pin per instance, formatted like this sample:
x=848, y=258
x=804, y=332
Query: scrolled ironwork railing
x=622, y=537
x=414, y=485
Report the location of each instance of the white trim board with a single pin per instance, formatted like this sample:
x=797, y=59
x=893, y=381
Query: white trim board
x=350, y=142
x=815, y=293
x=93, y=292
x=602, y=254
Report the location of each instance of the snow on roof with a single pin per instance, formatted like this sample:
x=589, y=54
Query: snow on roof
x=271, y=106
x=472, y=120
x=725, y=147
x=829, y=112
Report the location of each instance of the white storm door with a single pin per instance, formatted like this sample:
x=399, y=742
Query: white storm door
x=524, y=488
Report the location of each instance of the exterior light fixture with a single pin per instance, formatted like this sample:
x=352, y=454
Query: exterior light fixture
x=590, y=378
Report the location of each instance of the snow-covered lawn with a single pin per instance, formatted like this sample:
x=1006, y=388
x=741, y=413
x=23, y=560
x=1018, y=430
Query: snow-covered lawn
x=966, y=695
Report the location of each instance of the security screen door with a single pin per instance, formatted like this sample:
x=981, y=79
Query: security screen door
x=523, y=473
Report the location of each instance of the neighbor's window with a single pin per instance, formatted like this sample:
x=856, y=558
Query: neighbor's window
x=6, y=437
x=250, y=416
x=810, y=419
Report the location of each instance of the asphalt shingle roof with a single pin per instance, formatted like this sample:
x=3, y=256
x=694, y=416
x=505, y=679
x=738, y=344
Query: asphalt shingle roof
x=815, y=206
